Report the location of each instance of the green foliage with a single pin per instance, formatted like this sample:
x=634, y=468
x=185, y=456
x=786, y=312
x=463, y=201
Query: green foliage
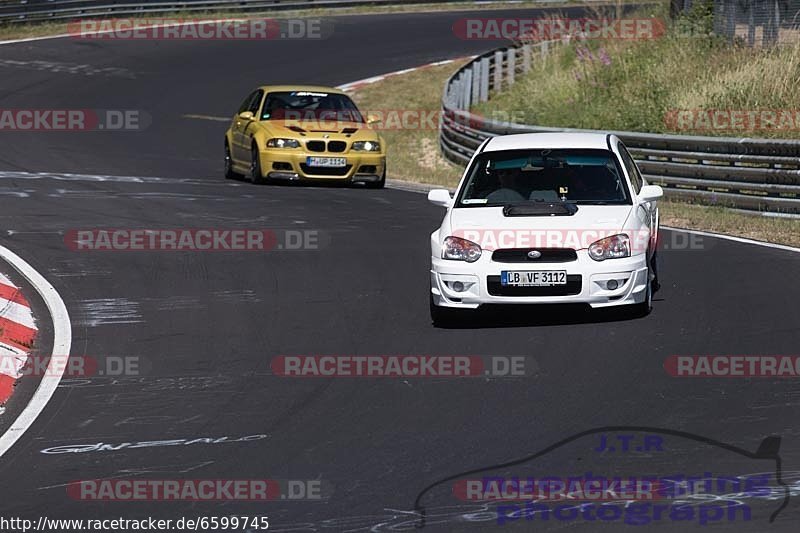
x=635, y=85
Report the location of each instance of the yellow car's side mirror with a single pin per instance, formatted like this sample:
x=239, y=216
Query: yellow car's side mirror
x=246, y=115
x=373, y=119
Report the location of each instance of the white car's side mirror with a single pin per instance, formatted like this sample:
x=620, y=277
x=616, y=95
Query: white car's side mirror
x=650, y=193
x=440, y=197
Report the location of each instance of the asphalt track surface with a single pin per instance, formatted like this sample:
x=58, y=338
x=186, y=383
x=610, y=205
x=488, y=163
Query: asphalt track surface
x=206, y=325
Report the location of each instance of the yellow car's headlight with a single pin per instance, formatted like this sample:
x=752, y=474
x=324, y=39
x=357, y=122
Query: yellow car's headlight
x=283, y=143
x=366, y=146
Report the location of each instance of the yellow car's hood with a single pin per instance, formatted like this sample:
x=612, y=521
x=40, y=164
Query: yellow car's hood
x=312, y=129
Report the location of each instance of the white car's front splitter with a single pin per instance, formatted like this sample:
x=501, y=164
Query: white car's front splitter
x=458, y=284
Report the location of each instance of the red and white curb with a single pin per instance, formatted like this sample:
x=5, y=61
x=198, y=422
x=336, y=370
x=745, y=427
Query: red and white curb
x=17, y=332
x=19, y=323
x=356, y=85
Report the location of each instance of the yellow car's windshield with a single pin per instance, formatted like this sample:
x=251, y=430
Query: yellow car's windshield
x=310, y=105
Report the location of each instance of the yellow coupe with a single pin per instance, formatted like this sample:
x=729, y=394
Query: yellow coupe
x=303, y=133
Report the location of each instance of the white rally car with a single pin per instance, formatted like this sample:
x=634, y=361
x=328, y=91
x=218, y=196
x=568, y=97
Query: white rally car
x=544, y=218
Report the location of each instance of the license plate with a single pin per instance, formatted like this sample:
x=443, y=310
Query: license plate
x=328, y=162
x=535, y=278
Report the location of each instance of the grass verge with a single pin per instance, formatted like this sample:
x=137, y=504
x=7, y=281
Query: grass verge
x=667, y=84
x=413, y=155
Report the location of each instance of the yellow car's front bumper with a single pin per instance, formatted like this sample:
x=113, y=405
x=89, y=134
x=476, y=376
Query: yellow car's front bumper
x=291, y=165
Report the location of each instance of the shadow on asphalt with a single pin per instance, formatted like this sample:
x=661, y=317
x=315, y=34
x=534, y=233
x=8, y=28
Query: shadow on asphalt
x=307, y=183
x=514, y=316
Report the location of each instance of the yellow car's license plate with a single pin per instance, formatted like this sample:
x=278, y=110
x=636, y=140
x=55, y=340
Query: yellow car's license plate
x=328, y=162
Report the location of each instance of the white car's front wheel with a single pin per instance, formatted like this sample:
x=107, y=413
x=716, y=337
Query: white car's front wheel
x=443, y=317
x=643, y=309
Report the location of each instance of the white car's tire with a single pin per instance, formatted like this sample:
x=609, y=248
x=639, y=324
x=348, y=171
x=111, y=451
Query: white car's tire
x=643, y=309
x=444, y=317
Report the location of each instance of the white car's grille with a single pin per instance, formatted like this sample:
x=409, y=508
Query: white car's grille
x=534, y=255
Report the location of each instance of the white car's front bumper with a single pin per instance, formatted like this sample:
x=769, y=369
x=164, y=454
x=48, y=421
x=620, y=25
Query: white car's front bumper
x=586, y=279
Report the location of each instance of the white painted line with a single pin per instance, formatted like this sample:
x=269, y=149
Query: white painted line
x=423, y=188
x=735, y=239
x=62, y=342
x=32, y=39
x=374, y=79
x=104, y=32
x=207, y=117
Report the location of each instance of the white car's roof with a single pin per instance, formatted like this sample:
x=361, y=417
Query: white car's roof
x=544, y=141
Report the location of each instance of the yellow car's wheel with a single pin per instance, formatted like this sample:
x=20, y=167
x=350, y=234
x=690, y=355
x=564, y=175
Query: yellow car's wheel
x=229, y=173
x=255, y=166
x=378, y=184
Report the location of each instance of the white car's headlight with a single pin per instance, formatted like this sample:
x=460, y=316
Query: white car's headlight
x=283, y=143
x=459, y=249
x=612, y=247
x=367, y=146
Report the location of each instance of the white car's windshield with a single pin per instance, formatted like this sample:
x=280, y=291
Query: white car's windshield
x=569, y=175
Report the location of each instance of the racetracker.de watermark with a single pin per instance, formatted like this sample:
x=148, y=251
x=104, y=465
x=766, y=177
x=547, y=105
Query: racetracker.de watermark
x=733, y=366
x=74, y=120
x=400, y=366
x=394, y=119
x=547, y=29
x=209, y=490
x=733, y=120
x=193, y=240
x=557, y=489
x=160, y=29
x=580, y=239
x=73, y=366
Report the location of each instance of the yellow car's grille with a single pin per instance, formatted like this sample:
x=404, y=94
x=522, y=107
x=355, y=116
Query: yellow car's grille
x=315, y=146
x=332, y=146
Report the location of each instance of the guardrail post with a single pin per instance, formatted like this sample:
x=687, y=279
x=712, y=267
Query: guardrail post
x=484, y=79
x=498, y=70
x=526, y=58
x=451, y=95
x=772, y=25
x=467, y=88
x=476, y=81
x=730, y=19
x=512, y=64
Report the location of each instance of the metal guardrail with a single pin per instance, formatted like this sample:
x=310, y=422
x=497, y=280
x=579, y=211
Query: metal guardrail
x=753, y=174
x=44, y=10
